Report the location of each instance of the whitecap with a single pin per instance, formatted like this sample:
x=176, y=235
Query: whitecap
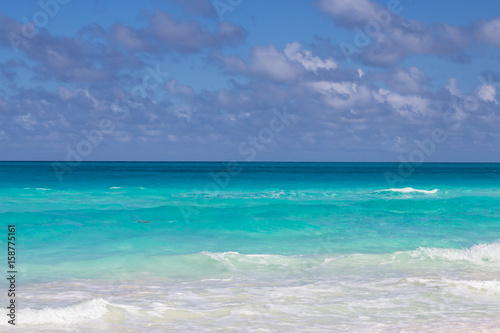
x=409, y=190
x=223, y=257
x=68, y=315
x=478, y=254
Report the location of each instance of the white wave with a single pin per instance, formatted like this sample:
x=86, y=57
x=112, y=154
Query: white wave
x=223, y=257
x=68, y=315
x=302, y=195
x=486, y=285
x=462, y=285
x=42, y=189
x=481, y=254
x=272, y=194
x=409, y=190
x=236, y=261
x=478, y=254
x=114, y=188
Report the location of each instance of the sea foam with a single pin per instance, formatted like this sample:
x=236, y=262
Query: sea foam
x=477, y=254
x=409, y=190
x=68, y=315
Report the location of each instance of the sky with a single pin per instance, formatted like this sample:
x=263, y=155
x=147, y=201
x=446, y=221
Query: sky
x=250, y=80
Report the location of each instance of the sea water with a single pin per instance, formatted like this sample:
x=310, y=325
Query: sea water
x=252, y=247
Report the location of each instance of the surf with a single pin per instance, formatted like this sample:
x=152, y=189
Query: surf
x=409, y=190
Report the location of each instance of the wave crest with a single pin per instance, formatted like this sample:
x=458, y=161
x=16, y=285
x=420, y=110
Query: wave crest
x=409, y=190
x=68, y=315
x=478, y=254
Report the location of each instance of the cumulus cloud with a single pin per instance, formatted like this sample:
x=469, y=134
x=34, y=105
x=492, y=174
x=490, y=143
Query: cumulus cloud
x=66, y=59
x=128, y=38
x=408, y=80
x=81, y=59
x=452, y=87
x=173, y=88
x=337, y=112
x=409, y=106
x=341, y=95
x=353, y=114
x=166, y=33
x=268, y=62
x=407, y=37
x=489, y=31
x=294, y=52
x=9, y=69
x=487, y=93
x=385, y=38
x=349, y=12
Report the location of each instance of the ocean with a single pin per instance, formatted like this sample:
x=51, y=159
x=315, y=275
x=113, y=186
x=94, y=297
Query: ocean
x=251, y=247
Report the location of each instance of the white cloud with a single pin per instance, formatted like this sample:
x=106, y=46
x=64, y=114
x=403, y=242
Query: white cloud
x=408, y=105
x=270, y=62
x=453, y=88
x=487, y=93
x=397, y=37
x=353, y=10
x=294, y=52
x=408, y=80
x=341, y=94
x=78, y=93
x=489, y=31
x=27, y=121
x=174, y=88
x=267, y=61
x=127, y=37
x=380, y=96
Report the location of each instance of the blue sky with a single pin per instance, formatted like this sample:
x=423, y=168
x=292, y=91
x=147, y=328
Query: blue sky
x=250, y=80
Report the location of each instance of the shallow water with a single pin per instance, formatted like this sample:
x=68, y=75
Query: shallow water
x=271, y=247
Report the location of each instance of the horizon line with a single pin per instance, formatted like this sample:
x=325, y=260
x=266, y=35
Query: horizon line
x=239, y=161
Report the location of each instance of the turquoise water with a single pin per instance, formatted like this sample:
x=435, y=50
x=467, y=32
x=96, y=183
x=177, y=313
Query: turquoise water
x=279, y=247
